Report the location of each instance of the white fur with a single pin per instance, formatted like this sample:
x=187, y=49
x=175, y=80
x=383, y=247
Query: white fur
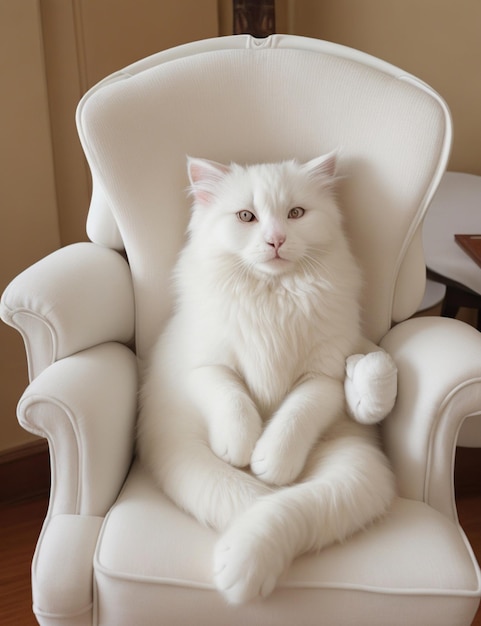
x=249, y=373
x=370, y=386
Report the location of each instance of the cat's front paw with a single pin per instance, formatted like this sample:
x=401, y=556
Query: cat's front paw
x=245, y=565
x=370, y=386
x=276, y=462
x=233, y=437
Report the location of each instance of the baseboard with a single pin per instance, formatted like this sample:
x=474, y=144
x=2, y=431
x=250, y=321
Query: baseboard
x=24, y=471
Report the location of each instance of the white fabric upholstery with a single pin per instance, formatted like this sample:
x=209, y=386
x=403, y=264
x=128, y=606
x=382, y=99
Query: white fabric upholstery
x=134, y=559
x=75, y=298
x=62, y=568
x=400, y=562
x=433, y=295
x=279, y=100
x=85, y=405
x=434, y=399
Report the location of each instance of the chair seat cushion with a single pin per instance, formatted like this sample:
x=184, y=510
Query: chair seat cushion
x=153, y=566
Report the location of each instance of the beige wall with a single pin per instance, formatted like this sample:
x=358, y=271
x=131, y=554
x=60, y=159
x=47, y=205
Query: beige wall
x=53, y=50
x=28, y=212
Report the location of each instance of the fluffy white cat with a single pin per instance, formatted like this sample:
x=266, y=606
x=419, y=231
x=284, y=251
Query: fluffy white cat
x=243, y=420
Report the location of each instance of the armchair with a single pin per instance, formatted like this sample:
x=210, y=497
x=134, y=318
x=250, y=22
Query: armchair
x=113, y=549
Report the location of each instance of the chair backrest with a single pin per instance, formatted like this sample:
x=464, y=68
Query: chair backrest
x=247, y=100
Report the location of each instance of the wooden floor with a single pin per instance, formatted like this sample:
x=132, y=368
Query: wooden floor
x=19, y=528
x=468, y=498
x=20, y=524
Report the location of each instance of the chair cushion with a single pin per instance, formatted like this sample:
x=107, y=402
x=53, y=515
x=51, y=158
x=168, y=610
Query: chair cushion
x=153, y=566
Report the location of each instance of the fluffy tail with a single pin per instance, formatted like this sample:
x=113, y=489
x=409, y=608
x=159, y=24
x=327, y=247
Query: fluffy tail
x=348, y=485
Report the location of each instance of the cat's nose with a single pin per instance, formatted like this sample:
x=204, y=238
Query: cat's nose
x=276, y=241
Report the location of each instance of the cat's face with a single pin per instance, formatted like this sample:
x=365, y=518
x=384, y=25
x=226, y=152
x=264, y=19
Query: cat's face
x=269, y=218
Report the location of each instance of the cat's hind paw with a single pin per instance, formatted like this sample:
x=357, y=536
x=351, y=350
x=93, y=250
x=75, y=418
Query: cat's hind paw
x=245, y=566
x=370, y=386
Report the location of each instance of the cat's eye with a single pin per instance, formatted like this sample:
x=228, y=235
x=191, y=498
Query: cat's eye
x=296, y=213
x=246, y=216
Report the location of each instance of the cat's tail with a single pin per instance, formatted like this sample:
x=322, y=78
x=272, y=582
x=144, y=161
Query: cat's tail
x=347, y=486
x=198, y=481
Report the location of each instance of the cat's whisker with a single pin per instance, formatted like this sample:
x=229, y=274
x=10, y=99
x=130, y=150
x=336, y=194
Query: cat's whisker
x=239, y=273
x=316, y=267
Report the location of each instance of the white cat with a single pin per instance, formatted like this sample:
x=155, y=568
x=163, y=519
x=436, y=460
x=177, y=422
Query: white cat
x=243, y=420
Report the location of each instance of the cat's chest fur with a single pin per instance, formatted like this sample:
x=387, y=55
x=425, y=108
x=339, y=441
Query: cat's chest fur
x=271, y=333
x=270, y=345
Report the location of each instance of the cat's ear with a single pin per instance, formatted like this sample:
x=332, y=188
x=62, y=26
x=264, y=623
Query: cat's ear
x=204, y=176
x=323, y=168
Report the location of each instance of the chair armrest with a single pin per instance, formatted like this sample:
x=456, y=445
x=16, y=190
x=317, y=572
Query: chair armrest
x=85, y=405
x=439, y=386
x=75, y=298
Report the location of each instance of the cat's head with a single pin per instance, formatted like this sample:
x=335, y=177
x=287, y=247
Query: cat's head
x=270, y=218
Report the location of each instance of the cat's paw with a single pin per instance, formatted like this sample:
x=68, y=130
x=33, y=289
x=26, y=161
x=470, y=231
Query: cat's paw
x=246, y=566
x=370, y=386
x=233, y=437
x=276, y=462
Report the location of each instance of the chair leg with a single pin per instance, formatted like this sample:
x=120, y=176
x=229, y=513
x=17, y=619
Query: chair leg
x=456, y=298
x=478, y=319
x=450, y=306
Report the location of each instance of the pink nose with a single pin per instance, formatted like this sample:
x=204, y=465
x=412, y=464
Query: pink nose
x=276, y=241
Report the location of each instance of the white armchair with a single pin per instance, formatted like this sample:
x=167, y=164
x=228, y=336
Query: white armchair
x=113, y=549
